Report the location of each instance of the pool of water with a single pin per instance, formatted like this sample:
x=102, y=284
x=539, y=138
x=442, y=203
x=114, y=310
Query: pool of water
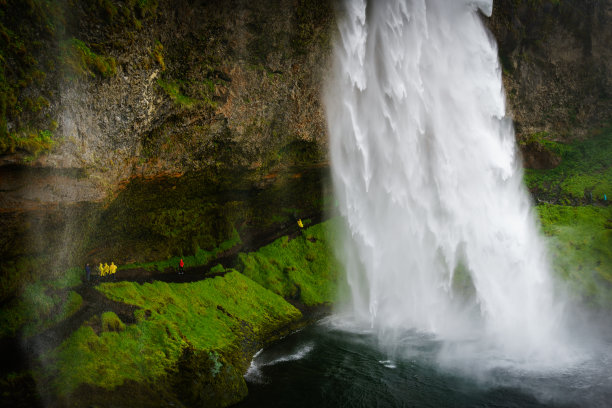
x=326, y=365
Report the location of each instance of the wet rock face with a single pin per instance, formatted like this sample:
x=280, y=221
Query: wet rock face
x=217, y=89
x=226, y=84
x=557, y=64
x=226, y=88
x=538, y=156
x=192, y=78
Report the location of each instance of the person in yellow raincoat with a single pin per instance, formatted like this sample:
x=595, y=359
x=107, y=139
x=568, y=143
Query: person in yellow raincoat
x=113, y=269
x=106, y=269
x=300, y=224
x=101, y=269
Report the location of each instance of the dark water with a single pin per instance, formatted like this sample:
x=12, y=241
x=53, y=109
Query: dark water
x=323, y=366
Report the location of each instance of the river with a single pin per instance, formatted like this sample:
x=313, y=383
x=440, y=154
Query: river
x=328, y=365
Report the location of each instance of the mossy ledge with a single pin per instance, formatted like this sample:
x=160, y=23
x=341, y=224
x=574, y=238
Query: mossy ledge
x=191, y=343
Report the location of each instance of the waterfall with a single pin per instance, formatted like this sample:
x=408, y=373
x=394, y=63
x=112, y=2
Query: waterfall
x=441, y=237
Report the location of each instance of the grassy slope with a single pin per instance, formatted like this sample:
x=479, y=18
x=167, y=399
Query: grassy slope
x=47, y=302
x=579, y=236
x=584, y=175
x=211, y=315
x=214, y=316
x=580, y=244
x=303, y=268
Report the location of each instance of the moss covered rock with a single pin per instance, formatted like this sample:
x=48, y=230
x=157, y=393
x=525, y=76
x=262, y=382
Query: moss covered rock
x=191, y=343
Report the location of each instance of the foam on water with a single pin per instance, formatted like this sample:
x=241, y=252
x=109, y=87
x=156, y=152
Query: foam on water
x=440, y=233
x=254, y=373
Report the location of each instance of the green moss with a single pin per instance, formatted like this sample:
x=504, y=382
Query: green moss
x=173, y=90
x=303, y=268
x=580, y=242
x=17, y=273
x=143, y=7
x=584, y=175
x=177, y=90
x=200, y=211
x=212, y=315
x=111, y=323
x=79, y=60
x=12, y=105
x=217, y=269
x=31, y=141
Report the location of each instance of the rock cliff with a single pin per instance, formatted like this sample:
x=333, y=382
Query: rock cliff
x=557, y=64
x=97, y=93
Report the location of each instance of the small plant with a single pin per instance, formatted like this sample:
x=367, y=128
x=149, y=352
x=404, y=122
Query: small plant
x=216, y=368
x=111, y=322
x=217, y=269
x=158, y=54
x=31, y=141
x=173, y=89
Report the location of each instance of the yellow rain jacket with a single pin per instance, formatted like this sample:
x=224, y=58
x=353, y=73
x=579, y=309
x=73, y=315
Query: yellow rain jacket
x=300, y=223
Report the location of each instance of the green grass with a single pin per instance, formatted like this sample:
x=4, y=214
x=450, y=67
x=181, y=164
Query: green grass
x=579, y=236
x=585, y=171
x=212, y=315
x=302, y=268
x=580, y=242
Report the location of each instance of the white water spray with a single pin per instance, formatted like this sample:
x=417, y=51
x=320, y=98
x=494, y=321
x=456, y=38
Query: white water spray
x=441, y=234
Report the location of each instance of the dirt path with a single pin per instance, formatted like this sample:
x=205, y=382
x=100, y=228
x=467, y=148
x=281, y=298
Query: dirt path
x=252, y=242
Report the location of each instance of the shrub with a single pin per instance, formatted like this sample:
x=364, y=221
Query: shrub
x=111, y=322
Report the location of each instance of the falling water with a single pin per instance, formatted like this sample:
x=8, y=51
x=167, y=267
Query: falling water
x=441, y=236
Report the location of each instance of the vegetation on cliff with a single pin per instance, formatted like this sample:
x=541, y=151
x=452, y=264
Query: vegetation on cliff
x=584, y=174
x=576, y=215
x=580, y=244
x=302, y=269
x=37, y=52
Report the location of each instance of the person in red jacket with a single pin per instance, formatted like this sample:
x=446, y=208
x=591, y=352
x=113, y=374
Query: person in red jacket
x=181, y=266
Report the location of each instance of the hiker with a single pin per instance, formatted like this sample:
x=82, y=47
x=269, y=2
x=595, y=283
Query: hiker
x=101, y=268
x=181, y=266
x=300, y=224
x=106, y=269
x=87, y=272
x=113, y=270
